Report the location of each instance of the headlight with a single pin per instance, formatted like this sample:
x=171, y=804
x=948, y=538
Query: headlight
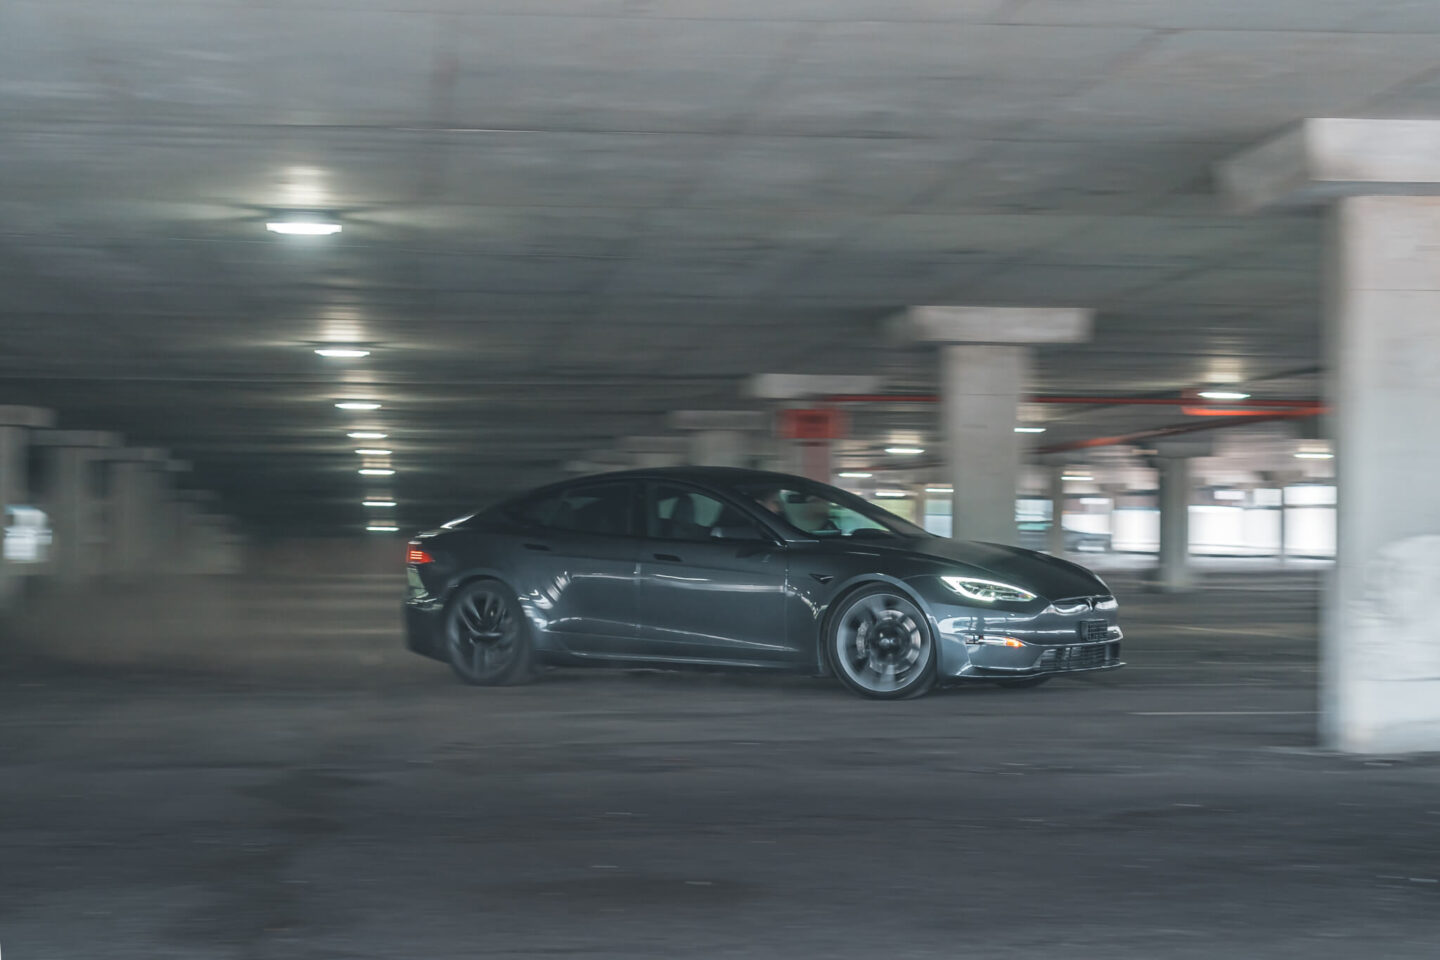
x=987, y=591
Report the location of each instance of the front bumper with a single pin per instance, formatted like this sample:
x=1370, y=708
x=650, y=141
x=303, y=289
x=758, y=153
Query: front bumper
x=1069, y=636
x=987, y=658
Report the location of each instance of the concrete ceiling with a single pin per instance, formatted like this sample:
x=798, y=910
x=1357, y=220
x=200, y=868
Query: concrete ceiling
x=564, y=218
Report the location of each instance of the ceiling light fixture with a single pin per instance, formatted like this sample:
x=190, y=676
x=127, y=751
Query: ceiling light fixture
x=891, y=494
x=939, y=489
x=1030, y=429
x=908, y=451
x=342, y=352
x=378, y=503
x=1314, y=455
x=366, y=435
x=303, y=228
x=357, y=405
x=855, y=474
x=382, y=528
x=376, y=472
x=374, y=452
x=1079, y=477
x=1224, y=395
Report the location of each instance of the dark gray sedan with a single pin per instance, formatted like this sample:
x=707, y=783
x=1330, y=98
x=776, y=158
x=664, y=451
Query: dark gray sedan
x=709, y=566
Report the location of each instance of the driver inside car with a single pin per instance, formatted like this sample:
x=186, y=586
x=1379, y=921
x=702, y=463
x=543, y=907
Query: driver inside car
x=808, y=513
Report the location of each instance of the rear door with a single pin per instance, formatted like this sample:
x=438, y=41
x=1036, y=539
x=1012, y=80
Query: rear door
x=579, y=555
x=712, y=581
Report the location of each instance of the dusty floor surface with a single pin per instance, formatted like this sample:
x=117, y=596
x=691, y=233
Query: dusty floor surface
x=287, y=783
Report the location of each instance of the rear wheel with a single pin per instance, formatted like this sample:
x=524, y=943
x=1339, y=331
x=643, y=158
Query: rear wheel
x=880, y=645
x=486, y=638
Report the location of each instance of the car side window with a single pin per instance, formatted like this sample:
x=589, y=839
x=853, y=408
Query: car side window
x=602, y=508
x=681, y=513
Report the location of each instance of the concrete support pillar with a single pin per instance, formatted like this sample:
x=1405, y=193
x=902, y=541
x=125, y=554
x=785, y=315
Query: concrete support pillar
x=815, y=457
x=720, y=438
x=16, y=424
x=72, y=498
x=218, y=548
x=1055, y=483
x=650, y=452
x=1173, y=462
x=1173, y=574
x=1380, y=649
x=980, y=389
x=191, y=532
x=169, y=535
x=132, y=517
x=718, y=448
x=984, y=373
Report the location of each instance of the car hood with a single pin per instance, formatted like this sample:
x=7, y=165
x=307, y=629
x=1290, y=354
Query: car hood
x=1048, y=576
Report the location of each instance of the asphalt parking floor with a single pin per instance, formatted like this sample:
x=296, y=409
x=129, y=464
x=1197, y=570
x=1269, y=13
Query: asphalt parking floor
x=313, y=792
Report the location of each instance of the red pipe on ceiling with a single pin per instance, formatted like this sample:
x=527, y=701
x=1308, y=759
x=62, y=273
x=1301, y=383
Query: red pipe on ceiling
x=1173, y=429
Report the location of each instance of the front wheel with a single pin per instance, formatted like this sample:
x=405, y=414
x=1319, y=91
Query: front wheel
x=880, y=645
x=486, y=638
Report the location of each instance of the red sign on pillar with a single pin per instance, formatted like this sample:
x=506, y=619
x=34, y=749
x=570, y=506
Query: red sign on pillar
x=821, y=423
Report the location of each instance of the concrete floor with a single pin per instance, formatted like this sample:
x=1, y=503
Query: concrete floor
x=299, y=788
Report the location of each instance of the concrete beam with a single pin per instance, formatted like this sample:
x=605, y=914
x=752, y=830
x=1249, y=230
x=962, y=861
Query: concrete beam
x=1325, y=158
x=804, y=386
x=677, y=445
x=718, y=420
x=76, y=438
x=997, y=325
x=591, y=466
x=37, y=418
x=1184, y=447
x=137, y=454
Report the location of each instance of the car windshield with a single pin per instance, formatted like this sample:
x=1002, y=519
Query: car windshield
x=816, y=510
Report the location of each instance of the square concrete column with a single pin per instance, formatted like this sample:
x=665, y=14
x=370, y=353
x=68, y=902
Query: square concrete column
x=16, y=424
x=169, y=532
x=1173, y=466
x=133, y=515
x=649, y=452
x=1380, y=647
x=814, y=458
x=984, y=374
x=72, y=498
x=1055, y=490
x=191, y=533
x=719, y=438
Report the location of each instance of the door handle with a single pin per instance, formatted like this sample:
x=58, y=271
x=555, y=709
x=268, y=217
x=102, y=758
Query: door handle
x=537, y=546
x=667, y=556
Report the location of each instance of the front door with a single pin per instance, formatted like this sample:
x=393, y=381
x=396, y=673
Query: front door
x=712, y=581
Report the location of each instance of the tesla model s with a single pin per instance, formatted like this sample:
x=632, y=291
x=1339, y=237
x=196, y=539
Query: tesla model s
x=721, y=567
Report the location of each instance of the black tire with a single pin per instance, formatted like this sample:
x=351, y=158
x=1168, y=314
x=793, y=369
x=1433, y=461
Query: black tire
x=487, y=639
x=879, y=644
x=1023, y=683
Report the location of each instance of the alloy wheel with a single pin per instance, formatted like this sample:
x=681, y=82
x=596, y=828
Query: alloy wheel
x=882, y=646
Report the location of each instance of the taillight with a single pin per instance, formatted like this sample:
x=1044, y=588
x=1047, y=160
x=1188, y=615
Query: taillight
x=417, y=556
